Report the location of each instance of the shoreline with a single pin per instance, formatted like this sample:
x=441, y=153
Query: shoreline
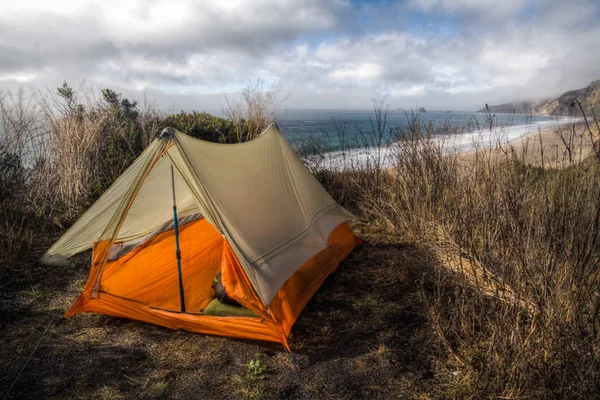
x=521, y=139
x=552, y=146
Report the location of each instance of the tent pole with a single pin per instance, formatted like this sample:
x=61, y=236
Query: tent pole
x=178, y=253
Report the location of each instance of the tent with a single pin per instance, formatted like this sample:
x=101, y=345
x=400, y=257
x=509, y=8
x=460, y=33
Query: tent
x=187, y=210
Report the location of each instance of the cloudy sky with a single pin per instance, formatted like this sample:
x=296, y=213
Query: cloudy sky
x=455, y=54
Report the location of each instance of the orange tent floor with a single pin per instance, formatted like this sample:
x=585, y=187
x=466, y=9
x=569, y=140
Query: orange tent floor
x=144, y=284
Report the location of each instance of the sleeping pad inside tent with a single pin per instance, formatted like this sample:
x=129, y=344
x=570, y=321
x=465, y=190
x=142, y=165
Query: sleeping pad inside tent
x=188, y=211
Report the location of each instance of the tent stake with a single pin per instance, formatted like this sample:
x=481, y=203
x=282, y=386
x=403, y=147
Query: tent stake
x=178, y=252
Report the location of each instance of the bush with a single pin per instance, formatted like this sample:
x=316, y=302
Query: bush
x=60, y=152
x=203, y=126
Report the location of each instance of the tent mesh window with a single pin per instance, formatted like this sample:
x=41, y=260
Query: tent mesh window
x=120, y=249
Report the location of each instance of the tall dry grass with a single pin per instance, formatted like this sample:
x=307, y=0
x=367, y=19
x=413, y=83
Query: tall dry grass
x=24, y=151
x=512, y=284
x=55, y=150
x=59, y=151
x=256, y=108
x=515, y=265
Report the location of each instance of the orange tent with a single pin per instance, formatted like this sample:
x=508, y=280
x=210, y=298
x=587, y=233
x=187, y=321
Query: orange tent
x=187, y=210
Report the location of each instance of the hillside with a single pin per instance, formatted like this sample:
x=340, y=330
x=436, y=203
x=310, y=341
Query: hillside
x=478, y=277
x=562, y=105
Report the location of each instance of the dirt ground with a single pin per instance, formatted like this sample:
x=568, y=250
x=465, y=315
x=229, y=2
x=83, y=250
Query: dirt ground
x=364, y=335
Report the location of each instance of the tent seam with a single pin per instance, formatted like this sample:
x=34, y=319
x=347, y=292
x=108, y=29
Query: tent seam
x=145, y=173
x=297, y=236
x=224, y=230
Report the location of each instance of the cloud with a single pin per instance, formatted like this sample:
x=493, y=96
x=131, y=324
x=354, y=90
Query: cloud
x=342, y=53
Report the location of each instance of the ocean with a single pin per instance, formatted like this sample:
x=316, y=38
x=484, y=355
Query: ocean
x=305, y=127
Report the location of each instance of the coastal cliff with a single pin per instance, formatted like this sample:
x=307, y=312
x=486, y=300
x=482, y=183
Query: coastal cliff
x=565, y=104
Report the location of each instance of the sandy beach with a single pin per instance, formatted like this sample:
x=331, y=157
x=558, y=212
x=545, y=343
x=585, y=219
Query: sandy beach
x=549, y=147
x=552, y=145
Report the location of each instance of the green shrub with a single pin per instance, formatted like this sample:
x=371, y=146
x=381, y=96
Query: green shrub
x=257, y=368
x=202, y=125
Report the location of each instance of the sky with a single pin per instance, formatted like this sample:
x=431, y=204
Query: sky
x=339, y=54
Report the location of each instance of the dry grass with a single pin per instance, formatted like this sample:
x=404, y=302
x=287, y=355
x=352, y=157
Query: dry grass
x=256, y=110
x=345, y=349
x=60, y=151
x=516, y=253
x=477, y=280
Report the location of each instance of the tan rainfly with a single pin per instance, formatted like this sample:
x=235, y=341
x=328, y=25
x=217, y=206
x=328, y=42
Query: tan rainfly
x=258, y=195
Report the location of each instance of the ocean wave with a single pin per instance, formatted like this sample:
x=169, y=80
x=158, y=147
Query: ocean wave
x=456, y=143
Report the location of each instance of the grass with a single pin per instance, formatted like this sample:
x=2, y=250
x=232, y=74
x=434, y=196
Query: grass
x=344, y=350
x=476, y=280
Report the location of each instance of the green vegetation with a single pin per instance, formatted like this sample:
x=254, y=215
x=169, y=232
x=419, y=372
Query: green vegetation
x=251, y=385
x=203, y=126
x=479, y=278
x=257, y=368
x=58, y=154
